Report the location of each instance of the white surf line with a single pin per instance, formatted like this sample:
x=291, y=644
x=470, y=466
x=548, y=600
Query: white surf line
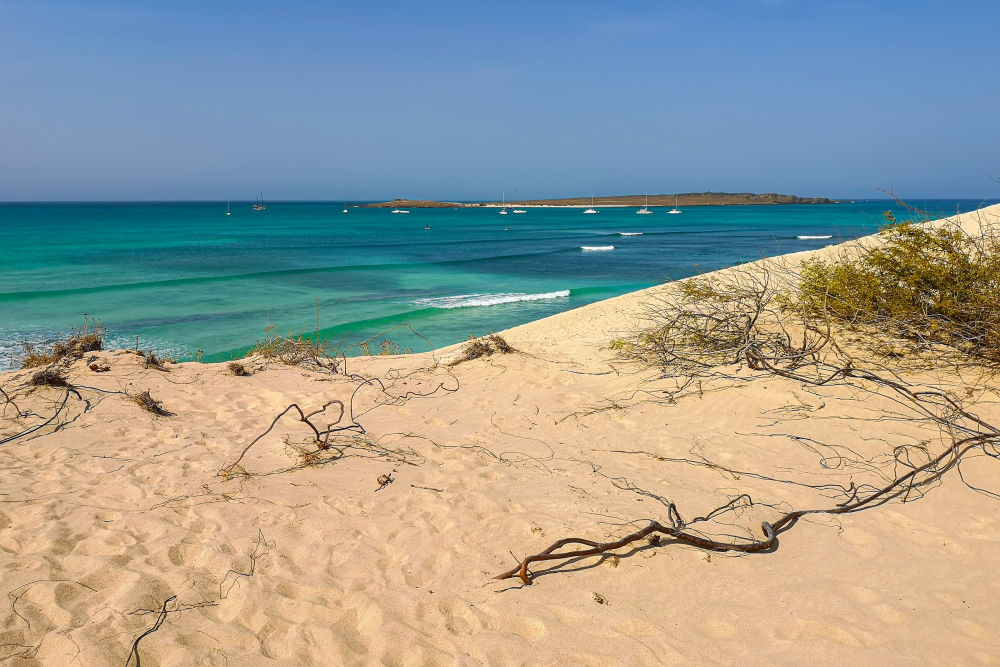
x=474, y=300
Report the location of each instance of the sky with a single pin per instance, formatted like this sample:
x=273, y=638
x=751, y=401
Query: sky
x=179, y=100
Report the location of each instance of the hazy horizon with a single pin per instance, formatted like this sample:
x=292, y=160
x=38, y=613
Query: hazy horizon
x=115, y=101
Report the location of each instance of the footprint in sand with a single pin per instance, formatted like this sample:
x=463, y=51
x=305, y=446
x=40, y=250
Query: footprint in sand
x=459, y=617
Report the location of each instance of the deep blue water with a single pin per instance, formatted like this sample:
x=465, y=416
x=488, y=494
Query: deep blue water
x=186, y=277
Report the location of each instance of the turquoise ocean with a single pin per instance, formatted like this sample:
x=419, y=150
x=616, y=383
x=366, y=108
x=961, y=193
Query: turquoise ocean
x=185, y=277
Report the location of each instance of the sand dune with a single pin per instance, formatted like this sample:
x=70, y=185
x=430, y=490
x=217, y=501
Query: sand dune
x=118, y=515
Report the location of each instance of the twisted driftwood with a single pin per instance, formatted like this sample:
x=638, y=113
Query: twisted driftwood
x=901, y=486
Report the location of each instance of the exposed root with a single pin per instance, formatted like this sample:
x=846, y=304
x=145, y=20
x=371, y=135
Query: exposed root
x=322, y=436
x=902, y=486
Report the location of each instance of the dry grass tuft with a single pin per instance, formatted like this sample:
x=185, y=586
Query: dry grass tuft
x=385, y=348
x=79, y=342
x=146, y=401
x=296, y=351
x=49, y=377
x=484, y=346
x=237, y=368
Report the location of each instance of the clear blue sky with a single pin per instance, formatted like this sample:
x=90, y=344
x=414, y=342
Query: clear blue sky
x=464, y=100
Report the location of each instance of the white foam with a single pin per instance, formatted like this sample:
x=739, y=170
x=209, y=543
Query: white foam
x=595, y=248
x=814, y=237
x=629, y=233
x=474, y=300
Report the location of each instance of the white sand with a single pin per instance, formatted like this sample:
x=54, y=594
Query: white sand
x=119, y=511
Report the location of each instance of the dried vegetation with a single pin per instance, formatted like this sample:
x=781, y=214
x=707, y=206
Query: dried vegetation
x=78, y=343
x=926, y=292
x=484, y=346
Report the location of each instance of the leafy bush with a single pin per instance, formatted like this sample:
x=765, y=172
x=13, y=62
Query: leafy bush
x=927, y=285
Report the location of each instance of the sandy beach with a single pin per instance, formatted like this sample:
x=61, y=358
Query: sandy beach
x=125, y=534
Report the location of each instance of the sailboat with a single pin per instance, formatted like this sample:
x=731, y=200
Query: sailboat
x=591, y=209
x=503, y=206
x=259, y=206
x=227, y=208
x=675, y=209
x=399, y=210
x=645, y=209
x=345, y=207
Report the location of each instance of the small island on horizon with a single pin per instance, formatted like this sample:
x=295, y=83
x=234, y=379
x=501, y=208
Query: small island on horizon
x=680, y=199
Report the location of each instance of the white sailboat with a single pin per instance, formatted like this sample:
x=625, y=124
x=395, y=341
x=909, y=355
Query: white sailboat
x=227, y=209
x=519, y=210
x=675, y=209
x=503, y=205
x=591, y=209
x=399, y=210
x=645, y=209
x=259, y=206
x=345, y=207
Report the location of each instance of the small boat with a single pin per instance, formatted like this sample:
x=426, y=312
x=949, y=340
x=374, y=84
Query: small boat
x=259, y=205
x=227, y=209
x=645, y=209
x=427, y=227
x=345, y=207
x=503, y=205
x=675, y=209
x=399, y=210
x=506, y=229
x=591, y=209
x=519, y=210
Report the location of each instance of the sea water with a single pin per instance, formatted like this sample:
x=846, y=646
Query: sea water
x=185, y=277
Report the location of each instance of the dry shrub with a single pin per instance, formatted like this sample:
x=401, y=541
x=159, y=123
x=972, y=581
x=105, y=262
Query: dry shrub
x=924, y=286
x=708, y=321
x=237, y=368
x=918, y=295
x=152, y=361
x=484, y=346
x=146, y=401
x=74, y=346
x=49, y=377
x=296, y=351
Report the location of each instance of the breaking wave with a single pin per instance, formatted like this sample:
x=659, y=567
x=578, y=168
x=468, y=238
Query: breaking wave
x=474, y=300
x=814, y=237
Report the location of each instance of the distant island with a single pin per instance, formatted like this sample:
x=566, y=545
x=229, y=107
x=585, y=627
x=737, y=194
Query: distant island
x=686, y=199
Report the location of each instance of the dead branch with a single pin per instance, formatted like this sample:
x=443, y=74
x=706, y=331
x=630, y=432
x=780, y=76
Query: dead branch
x=322, y=436
x=918, y=477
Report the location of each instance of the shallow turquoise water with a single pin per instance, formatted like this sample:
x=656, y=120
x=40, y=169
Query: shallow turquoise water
x=185, y=277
